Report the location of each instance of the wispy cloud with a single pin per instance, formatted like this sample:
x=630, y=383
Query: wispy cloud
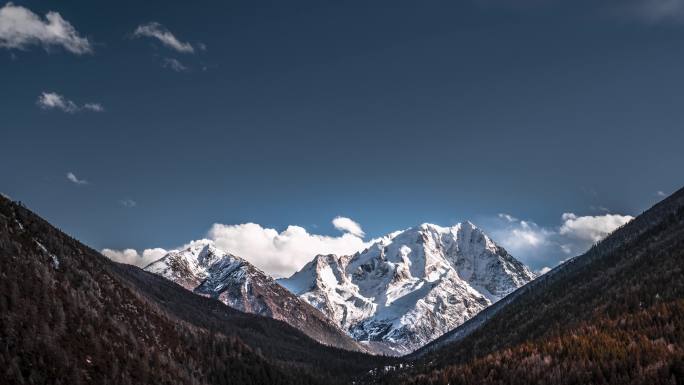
x=129, y=203
x=174, y=64
x=95, y=107
x=159, y=32
x=55, y=101
x=21, y=28
x=72, y=177
x=518, y=235
x=655, y=11
x=600, y=208
x=647, y=11
x=508, y=217
x=660, y=194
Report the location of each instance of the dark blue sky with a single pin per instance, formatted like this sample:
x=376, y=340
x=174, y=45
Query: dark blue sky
x=391, y=113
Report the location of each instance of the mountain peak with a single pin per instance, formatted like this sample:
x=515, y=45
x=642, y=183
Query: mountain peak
x=430, y=227
x=190, y=265
x=461, y=227
x=410, y=286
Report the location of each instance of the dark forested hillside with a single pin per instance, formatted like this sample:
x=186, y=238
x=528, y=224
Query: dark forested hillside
x=69, y=316
x=614, y=315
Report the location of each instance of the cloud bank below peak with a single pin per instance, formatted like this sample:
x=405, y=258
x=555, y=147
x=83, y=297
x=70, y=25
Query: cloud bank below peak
x=277, y=253
x=281, y=253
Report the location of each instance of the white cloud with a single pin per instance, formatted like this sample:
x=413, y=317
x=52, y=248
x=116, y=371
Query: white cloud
x=347, y=225
x=660, y=194
x=20, y=28
x=96, y=107
x=72, y=177
x=174, y=65
x=128, y=203
x=544, y=270
x=277, y=253
x=53, y=100
x=159, y=32
x=132, y=257
x=529, y=233
x=591, y=228
x=508, y=217
x=521, y=235
x=540, y=246
x=280, y=253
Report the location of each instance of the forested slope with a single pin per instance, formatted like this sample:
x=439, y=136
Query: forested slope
x=68, y=315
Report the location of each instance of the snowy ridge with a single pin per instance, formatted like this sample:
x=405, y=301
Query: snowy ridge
x=188, y=267
x=206, y=270
x=411, y=286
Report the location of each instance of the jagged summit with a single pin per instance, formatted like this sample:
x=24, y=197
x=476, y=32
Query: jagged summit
x=189, y=267
x=410, y=286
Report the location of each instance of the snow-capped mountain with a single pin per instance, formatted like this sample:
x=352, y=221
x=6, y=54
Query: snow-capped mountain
x=209, y=271
x=410, y=286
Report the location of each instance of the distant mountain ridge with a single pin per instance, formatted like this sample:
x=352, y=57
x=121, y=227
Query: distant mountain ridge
x=410, y=286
